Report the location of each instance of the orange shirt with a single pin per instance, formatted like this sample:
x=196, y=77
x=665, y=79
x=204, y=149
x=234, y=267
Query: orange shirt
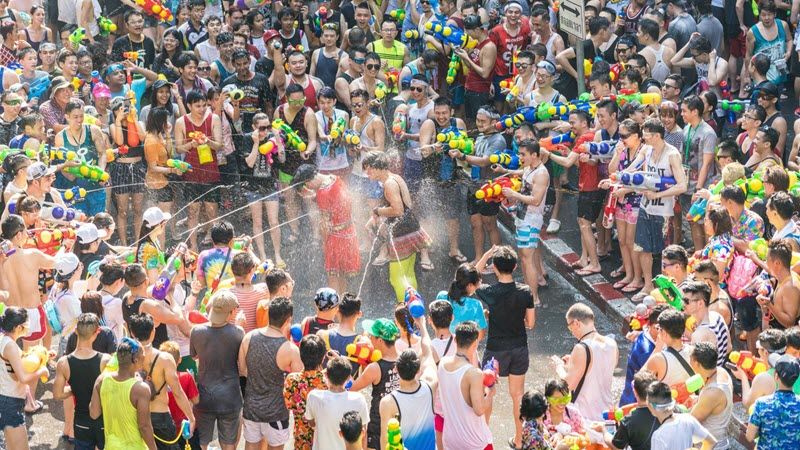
x=155, y=151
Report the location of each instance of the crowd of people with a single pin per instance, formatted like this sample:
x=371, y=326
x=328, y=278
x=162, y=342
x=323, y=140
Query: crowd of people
x=134, y=133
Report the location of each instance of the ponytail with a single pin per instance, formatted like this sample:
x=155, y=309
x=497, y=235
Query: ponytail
x=11, y=317
x=465, y=274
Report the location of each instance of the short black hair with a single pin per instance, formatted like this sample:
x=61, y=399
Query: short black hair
x=532, y=406
x=659, y=393
x=505, y=259
x=350, y=305
x=280, y=310
x=338, y=370
x=694, y=103
x=441, y=313
x=141, y=326
x=780, y=250
x=597, y=24
x=773, y=340
x=697, y=287
x=734, y=194
x=673, y=322
x=530, y=145
x=408, y=365
x=654, y=126
x=222, y=232
x=276, y=278
x=466, y=333
x=641, y=381
x=195, y=96
x=12, y=225
x=793, y=337
x=351, y=426
x=676, y=253
x=312, y=351
x=135, y=275
x=705, y=354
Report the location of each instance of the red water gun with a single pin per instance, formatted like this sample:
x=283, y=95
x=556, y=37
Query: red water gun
x=49, y=240
x=751, y=365
x=155, y=9
x=363, y=353
x=392, y=77
x=682, y=392
x=492, y=191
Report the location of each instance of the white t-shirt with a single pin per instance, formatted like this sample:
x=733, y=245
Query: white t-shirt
x=326, y=409
x=112, y=312
x=682, y=431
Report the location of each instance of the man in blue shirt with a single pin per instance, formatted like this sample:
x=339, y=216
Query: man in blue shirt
x=776, y=418
x=644, y=343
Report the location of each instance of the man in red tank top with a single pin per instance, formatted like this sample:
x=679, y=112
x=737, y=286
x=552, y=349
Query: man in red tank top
x=510, y=36
x=297, y=71
x=480, y=61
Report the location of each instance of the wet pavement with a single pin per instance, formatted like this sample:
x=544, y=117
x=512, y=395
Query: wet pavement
x=549, y=337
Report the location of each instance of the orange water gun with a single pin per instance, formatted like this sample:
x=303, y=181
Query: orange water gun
x=751, y=365
x=156, y=9
x=392, y=77
x=49, y=240
x=492, y=191
x=131, y=56
x=133, y=131
x=363, y=353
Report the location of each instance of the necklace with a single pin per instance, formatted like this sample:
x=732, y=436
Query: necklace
x=590, y=332
x=463, y=356
x=77, y=140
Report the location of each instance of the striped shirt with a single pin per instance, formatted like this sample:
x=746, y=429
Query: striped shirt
x=717, y=325
x=248, y=302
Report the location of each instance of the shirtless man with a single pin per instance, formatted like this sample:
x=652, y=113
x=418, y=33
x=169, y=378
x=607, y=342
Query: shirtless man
x=139, y=302
x=783, y=309
x=297, y=75
x=21, y=272
x=160, y=371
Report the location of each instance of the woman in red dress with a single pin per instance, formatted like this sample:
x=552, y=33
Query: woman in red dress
x=342, y=259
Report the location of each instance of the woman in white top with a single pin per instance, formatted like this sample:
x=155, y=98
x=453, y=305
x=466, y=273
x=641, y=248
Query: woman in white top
x=17, y=167
x=13, y=378
x=409, y=333
x=67, y=305
x=111, y=282
x=88, y=11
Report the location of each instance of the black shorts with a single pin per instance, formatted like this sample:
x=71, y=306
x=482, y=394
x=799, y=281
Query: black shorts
x=127, y=178
x=89, y=434
x=475, y=206
x=748, y=313
x=164, y=428
x=163, y=195
x=590, y=204
x=200, y=192
x=512, y=362
x=473, y=101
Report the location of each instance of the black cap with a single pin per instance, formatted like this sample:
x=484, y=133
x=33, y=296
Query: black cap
x=769, y=88
x=472, y=22
x=788, y=369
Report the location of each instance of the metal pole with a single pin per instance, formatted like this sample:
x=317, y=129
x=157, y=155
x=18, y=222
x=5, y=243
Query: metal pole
x=579, y=66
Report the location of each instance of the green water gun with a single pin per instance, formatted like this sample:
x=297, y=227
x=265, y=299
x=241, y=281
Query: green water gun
x=292, y=138
x=667, y=292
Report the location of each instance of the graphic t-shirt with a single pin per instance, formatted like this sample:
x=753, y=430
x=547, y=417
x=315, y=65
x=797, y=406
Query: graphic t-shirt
x=210, y=263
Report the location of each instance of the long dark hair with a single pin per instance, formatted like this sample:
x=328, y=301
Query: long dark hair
x=163, y=55
x=465, y=274
x=157, y=120
x=144, y=236
x=12, y=318
x=154, y=105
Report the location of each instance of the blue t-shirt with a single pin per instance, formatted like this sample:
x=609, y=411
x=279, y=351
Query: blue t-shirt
x=777, y=417
x=471, y=309
x=641, y=350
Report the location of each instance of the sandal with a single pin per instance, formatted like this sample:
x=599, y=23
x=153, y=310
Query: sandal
x=511, y=444
x=620, y=284
x=630, y=288
x=638, y=298
x=426, y=266
x=586, y=272
x=38, y=408
x=458, y=258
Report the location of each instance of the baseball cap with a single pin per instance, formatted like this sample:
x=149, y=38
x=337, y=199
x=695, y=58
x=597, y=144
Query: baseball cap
x=39, y=170
x=769, y=88
x=66, y=265
x=381, y=328
x=59, y=83
x=326, y=299
x=788, y=369
x=161, y=83
x=154, y=216
x=220, y=307
x=270, y=34
x=88, y=233
x=472, y=22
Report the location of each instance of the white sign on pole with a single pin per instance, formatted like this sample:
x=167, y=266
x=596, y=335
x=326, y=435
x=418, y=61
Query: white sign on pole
x=570, y=18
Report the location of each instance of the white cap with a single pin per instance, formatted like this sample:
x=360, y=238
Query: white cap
x=154, y=216
x=88, y=233
x=66, y=265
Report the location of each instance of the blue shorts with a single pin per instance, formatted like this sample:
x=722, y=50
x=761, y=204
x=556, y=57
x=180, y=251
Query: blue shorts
x=456, y=95
x=649, y=233
x=94, y=202
x=412, y=173
x=366, y=187
x=527, y=236
x=11, y=412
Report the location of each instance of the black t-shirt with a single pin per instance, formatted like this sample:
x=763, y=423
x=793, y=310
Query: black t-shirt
x=123, y=44
x=507, y=304
x=636, y=429
x=105, y=342
x=256, y=96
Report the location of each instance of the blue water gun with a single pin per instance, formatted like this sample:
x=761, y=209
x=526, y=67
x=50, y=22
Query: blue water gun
x=449, y=34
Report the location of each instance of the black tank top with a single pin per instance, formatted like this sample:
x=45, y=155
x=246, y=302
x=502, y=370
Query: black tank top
x=82, y=375
x=130, y=309
x=389, y=382
x=293, y=158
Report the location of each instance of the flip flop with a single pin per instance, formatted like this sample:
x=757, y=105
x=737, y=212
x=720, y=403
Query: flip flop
x=576, y=265
x=628, y=289
x=585, y=272
x=620, y=285
x=617, y=273
x=426, y=266
x=638, y=297
x=39, y=407
x=458, y=258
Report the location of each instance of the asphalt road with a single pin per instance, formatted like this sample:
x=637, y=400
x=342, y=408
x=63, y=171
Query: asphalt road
x=549, y=337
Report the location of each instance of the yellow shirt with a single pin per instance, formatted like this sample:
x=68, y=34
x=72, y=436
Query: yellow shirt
x=119, y=415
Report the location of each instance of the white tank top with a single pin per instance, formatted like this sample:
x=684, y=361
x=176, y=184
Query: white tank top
x=365, y=140
x=717, y=424
x=416, y=417
x=675, y=372
x=595, y=395
x=9, y=386
x=661, y=206
x=416, y=116
x=465, y=430
x=660, y=70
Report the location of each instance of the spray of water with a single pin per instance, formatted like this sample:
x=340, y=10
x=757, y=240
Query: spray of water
x=280, y=225
x=369, y=263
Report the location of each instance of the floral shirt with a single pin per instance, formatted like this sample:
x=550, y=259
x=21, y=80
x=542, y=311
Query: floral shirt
x=777, y=417
x=534, y=437
x=571, y=417
x=295, y=392
x=720, y=248
x=749, y=227
x=150, y=256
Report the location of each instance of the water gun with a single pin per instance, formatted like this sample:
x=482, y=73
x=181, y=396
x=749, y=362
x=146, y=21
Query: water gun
x=552, y=143
x=270, y=148
x=490, y=372
x=62, y=155
x=88, y=172
x=681, y=392
x=464, y=144
x=734, y=108
x=296, y=333
x=610, y=208
x=508, y=160
x=615, y=70
x=95, y=77
x=77, y=36
x=106, y=26
x=290, y=135
x=513, y=92
x=412, y=35
x=233, y=92
x=182, y=166
x=133, y=130
x=351, y=137
x=518, y=117
x=449, y=134
x=725, y=90
x=759, y=285
x=450, y=35
x=643, y=181
x=73, y=195
x=164, y=281
x=398, y=14
x=318, y=20
x=77, y=83
x=380, y=91
x=264, y=268
x=647, y=98
x=34, y=359
x=337, y=130
x=751, y=365
x=49, y=241
x=400, y=122
x=754, y=187
x=392, y=77
x=414, y=302
x=760, y=248
x=576, y=441
x=698, y=210
x=59, y=213
x=131, y=56
x=547, y=111
x=38, y=87
x=667, y=292
x=241, y=244
x=363, y=353
x=6, y=152
x=641, y=313
x=616, y=415
x=492, y=191
x=393, y=435
x=156, y=9
x=112, y=153
x=600, y=151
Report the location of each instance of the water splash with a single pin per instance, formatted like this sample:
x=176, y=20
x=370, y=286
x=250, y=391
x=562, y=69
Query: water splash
x=369, y=263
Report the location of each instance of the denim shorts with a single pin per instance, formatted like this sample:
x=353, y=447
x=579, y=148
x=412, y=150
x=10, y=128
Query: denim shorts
x=11, y=412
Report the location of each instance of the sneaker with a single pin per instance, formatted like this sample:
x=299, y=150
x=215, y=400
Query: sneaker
x=553, y=226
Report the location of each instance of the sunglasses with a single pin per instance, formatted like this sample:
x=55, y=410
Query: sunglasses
x=523, y=65
x=263, y=128
x=418, y=88
x=565, y=400
x=13, y=102
x=424, y=2
x=204, y=69
x=359, y=60
x=357, y=105
x=665, y=264
x=373, y=66
x=620, y=50
x=331, y=26
x=624, y=136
